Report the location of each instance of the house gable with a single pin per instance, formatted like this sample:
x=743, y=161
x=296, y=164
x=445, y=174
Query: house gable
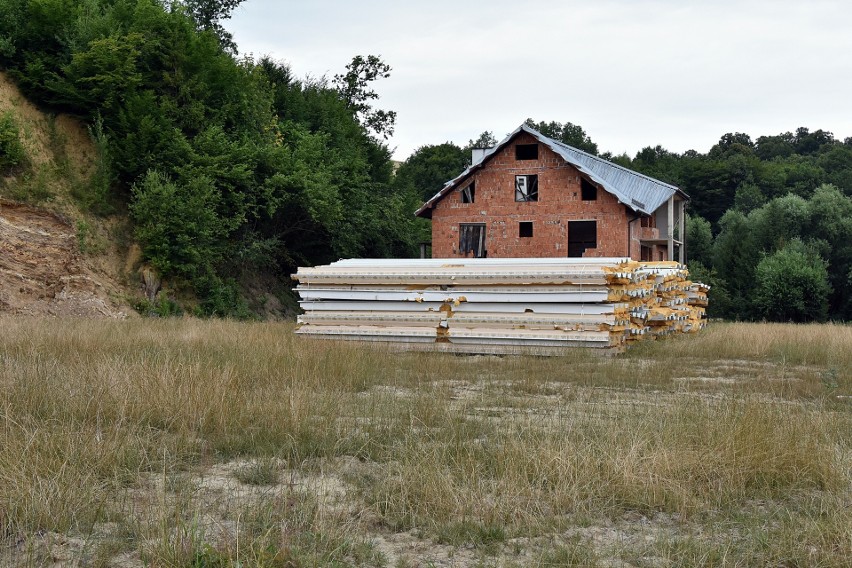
x=531, y=196
x=534, y=227
x=641, y=193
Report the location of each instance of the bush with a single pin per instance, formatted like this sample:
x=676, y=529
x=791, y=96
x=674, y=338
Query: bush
x=12, y=152
x=792, y=285
x=177, y=224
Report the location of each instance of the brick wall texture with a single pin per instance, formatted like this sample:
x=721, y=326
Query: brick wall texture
x=559, y=201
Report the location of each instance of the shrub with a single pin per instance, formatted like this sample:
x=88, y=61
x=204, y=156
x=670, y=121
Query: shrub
x=12, y=152
x=792, y=285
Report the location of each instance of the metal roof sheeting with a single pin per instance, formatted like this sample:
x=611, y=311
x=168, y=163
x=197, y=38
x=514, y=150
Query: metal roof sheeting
x=637, y=191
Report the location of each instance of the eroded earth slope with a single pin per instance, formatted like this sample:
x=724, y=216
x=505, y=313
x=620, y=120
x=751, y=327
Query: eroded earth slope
x=42, y=271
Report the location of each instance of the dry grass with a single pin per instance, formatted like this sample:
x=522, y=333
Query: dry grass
x=213, y=443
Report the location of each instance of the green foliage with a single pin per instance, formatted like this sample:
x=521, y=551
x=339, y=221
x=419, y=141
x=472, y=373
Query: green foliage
x=177, y=224
x=792, y=285
x=208, y=15
x=354, y=87
x=96, y=195
x=427, y=170
x=720, y=301
x=748, y=197
x=571, y=134
x=734, y=258
x=699, y=240
x=484, y=140
x=12, y=153
x=161, y=307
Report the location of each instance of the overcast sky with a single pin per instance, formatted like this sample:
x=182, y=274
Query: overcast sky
x=632, y=73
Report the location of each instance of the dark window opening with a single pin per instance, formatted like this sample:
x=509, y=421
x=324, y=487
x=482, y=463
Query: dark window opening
x=526, y=188
x=588, y=190
x=526, y=152
x=468, y=194
x=648, y=221
x=582, y=235
x=525, y=229
x=472, y=239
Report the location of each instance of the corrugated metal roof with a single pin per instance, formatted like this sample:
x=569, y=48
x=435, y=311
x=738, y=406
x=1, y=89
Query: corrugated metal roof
x=637, y=191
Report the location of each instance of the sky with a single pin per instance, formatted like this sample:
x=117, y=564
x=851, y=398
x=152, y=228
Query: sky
x=632, y=73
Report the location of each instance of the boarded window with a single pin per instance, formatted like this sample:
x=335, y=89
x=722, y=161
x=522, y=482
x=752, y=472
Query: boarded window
x=525, y=229
x=588, y=189
x=526, y=188
x=472, y=239
x=526, y=152
x=468, y=193
x=582, y=235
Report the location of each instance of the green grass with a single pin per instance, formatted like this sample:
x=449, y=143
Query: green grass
x=204, y=443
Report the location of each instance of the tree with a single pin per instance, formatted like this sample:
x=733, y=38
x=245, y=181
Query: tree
x=484, y=140
x=354, y=88
x=734, y=258
x=807, y=142
x=208, y=15
x=427, y=170
x=748, y=197
x=792, y=285
x=568, y=133
x=177, y=225
x=779, y=146
x=830, y=221
x=732, y=143
x=699, y=240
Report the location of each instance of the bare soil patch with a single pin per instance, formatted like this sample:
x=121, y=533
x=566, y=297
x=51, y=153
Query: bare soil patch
x=42, y=271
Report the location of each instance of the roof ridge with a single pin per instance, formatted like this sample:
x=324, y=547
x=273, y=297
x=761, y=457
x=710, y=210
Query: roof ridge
x=605, y=161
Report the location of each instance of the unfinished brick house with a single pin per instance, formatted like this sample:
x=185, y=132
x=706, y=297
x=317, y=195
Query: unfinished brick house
x=532, y=196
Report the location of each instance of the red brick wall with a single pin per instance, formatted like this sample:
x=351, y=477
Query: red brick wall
x=559, y=201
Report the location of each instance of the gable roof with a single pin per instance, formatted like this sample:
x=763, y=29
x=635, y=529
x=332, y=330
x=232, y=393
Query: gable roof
x=639, y=192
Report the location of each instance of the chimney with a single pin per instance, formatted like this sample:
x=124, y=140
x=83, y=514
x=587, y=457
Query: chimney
x=476, y=155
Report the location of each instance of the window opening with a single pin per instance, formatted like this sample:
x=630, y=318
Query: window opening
x=472, y=239
x=582, y=235
x=526, y=152
x=468, y=193
x=525, y=229
x=588, y=190
x=526, y=188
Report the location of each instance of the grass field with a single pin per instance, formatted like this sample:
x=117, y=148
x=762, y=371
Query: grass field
x=216, y=443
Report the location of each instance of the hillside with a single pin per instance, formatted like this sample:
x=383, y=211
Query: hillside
x=54, y=258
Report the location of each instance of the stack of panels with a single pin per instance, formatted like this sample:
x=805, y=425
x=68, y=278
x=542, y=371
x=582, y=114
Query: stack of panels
x=491, y=305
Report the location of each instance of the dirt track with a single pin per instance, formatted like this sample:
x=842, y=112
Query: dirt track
x=42, y=271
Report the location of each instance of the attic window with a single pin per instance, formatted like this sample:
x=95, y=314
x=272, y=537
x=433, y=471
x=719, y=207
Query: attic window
x=588, y=190
x=526, y=188
x=468, y=193
x=525, y=229
x=526, y=152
